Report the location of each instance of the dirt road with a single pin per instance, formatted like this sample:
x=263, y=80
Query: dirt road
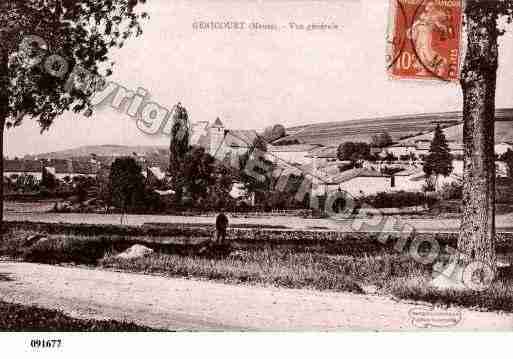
x=181, y=304
x=503, y=222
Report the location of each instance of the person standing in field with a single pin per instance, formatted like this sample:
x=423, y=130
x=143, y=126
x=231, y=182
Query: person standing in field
x=221, y=227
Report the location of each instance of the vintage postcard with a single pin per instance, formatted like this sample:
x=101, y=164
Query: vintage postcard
x=255, y=166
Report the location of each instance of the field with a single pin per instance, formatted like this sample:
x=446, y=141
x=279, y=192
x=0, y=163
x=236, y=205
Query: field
x=399, y=127
x=503, y=133
x=334, y=133
x=329, y=261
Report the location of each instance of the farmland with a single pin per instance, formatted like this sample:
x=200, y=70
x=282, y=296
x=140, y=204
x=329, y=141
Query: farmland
x=399, y=127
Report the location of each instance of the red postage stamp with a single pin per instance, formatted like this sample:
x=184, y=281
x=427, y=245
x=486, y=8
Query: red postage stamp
x=424, y=39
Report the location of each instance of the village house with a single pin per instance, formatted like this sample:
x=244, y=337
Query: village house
x=294, y=154
x=17, y=168
x=360, y=182
x=221, y=142
x=503, y=147
x=414, y=180
x=420, y=148
x=323, y=154
x=64, y=169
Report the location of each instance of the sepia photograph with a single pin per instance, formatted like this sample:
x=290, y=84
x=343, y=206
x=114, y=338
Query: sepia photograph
x=254, y=166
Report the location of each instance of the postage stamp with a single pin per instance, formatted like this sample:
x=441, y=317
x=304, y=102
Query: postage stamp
x=424, y=39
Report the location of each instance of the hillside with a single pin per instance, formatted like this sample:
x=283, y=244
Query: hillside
x=102, y=150
x=503, y=133
x=399, y=127
x=403, y=129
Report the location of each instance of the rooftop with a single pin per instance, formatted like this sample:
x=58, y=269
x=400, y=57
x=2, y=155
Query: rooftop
x=240, y=138
x=292, y=148
x=356, y=172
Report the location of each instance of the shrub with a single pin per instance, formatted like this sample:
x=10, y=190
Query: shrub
x=65, y=249
x=17, y=317
x=398, y=199
x=451, y=191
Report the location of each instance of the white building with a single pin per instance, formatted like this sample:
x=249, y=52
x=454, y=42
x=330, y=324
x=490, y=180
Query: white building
x=293, y=154
x=502, y=148
x=360, y=182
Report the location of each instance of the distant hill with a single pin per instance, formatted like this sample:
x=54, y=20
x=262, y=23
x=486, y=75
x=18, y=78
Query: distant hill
x=102, y=150
x=399, y=127
x=403, y=129
x=503, y=133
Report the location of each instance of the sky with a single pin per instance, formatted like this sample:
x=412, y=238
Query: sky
x=255, y=78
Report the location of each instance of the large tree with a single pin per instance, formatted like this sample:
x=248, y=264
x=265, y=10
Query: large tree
x=256, y=171
x=478, y=82
x=127, y=185
x=42, y=41
x=208, y=182
x=353, y=151
x=381, y=140
x=178, y=148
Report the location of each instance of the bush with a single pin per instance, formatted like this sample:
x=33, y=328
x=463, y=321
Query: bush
x=398, y=199
x=17, y=317
x=451, y=191
x=65, y=249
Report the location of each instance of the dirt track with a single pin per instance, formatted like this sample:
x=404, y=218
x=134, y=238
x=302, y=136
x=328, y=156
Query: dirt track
x=180, y=304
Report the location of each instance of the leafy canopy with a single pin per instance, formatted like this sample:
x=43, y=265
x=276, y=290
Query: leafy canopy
x=127, y=184
x=43, y=41
x=439, y=159
x=353, y=151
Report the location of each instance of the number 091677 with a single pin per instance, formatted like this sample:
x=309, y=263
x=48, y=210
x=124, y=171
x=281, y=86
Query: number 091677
x=45, y=343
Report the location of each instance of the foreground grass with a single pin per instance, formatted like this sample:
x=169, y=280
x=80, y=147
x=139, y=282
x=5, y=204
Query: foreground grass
x=499, y=297
x=17, y=317
x=354, y=266
x=278, y=267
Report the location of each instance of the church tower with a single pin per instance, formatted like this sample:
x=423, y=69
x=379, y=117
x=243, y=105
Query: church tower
x=216, y=134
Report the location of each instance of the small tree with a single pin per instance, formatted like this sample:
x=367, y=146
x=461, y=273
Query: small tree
x=274, y=133
x=48, y=180
x=390, y=157
x=439, y=160
x=178, y=148
x=381, y=140
x=353, y=151
x=126, y=184
x=256, y=171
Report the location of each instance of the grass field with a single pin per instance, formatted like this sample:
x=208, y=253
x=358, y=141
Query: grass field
x=399, y=127
x=323, y=261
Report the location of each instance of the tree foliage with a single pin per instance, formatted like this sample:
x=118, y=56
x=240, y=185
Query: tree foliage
x=127, y=184
x=43, y=43
x=381, y=140
x=206, y=181
x=273, y=133
x=256, y=170
x=81, y=32
x=439, y=160
x=178, y=148
x=48, y=180
x=353, y=151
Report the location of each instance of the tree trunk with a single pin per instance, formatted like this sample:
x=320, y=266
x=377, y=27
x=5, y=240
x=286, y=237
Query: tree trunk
x=4, y=107
x=478, y=80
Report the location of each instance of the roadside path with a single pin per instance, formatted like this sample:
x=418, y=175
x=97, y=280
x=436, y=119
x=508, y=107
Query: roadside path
x=180, y=304
x=503, y=222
